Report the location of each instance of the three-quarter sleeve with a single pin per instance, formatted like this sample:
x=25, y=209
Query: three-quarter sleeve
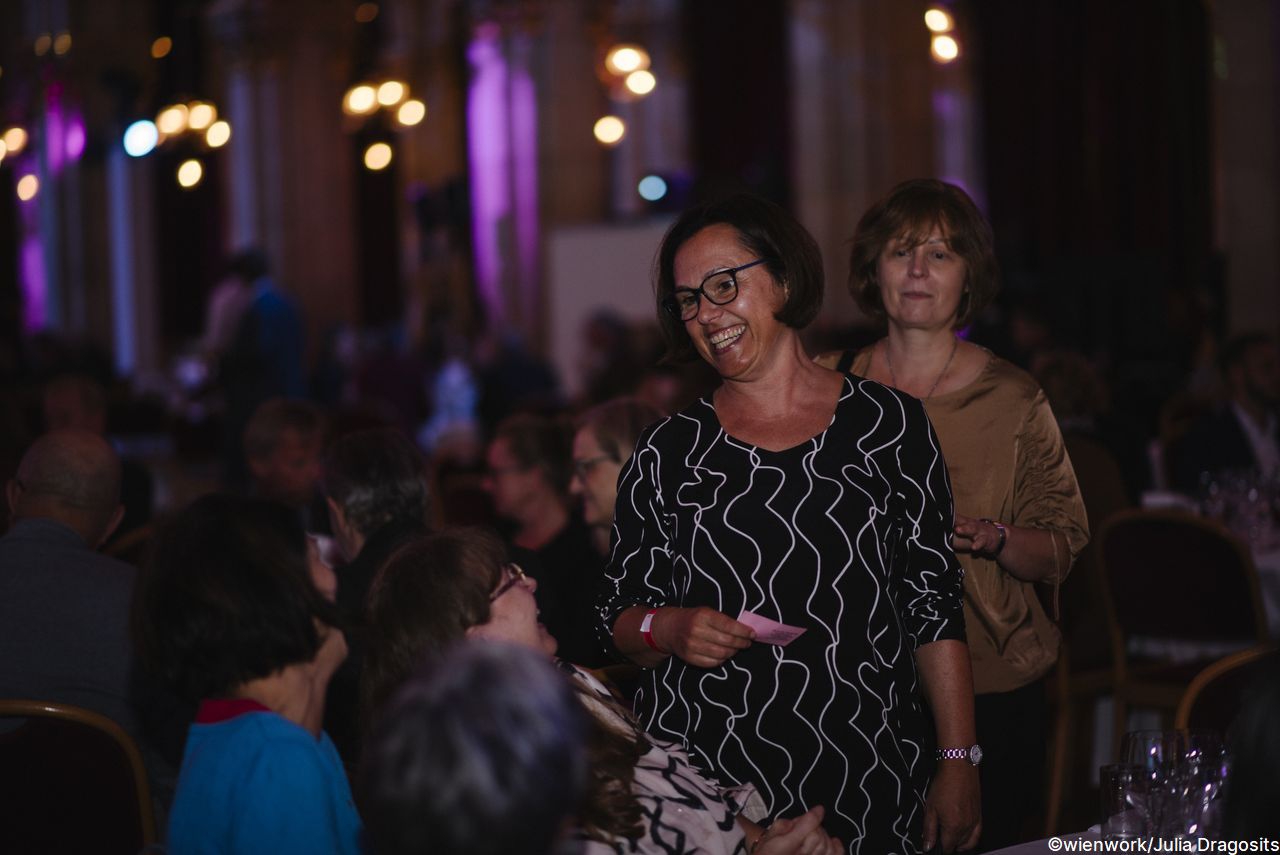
x=639, y=568
x=930, y=593
x=1045, y=492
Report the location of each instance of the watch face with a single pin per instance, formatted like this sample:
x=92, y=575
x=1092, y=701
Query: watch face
x=975, y=755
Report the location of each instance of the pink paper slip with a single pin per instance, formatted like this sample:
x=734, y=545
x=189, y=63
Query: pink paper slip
x=770, y=631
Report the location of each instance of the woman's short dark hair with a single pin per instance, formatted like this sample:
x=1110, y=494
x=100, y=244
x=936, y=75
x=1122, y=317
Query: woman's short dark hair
x=482, y=750
x=542, y=441
x=425, y=597
x=769, y=232
x=910, y=212
x=227, y=597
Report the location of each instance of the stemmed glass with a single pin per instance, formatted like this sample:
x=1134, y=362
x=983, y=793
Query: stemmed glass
x=1183, y=772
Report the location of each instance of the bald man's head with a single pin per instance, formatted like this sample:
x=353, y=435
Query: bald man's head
x=72, y=476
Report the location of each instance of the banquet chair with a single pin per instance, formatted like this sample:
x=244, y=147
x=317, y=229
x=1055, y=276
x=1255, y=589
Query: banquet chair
x=1217, y=693
x=71, y=780
x=1177, y=590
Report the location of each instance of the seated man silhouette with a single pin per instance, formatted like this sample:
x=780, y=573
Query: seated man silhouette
x=64, y=607
x=1242, y=433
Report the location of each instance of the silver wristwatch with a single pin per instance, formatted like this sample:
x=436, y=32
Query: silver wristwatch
x=973, y=754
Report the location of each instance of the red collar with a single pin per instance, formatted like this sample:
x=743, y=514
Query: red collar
x=214, y=710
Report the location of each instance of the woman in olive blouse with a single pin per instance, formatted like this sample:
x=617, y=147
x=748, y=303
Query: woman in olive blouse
x=922, y=260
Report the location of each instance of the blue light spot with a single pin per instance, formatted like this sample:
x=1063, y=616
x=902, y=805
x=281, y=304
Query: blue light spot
x=140, y=138
x=652, y=188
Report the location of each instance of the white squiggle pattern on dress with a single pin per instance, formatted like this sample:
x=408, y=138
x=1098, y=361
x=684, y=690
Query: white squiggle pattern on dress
x=847, y=535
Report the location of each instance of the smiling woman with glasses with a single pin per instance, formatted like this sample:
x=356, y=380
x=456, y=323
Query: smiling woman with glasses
x=795, y=495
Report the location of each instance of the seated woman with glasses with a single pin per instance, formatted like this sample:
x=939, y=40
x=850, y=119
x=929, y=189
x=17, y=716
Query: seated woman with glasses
x=229, y=612
x=643, y=795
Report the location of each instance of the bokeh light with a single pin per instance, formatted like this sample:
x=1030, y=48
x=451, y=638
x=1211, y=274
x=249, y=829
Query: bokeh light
x=172, y=119
x=391, y=93
x=366, y=12
x=141, y=138
x=624, y=59
x=44, y=41
x=360, y=99
x=651, y=188
x=200, y=115
x=73, y=140
x=945, y=49
x=160, y=47
x=190, y=173
x=377, y=156
x=28, y=186
x=938, y=20
x=218, y=134
x=641, y=82
x=4, y=149
x=411, y=112
x=62, y=43
x=15, y=140
x=610, y=130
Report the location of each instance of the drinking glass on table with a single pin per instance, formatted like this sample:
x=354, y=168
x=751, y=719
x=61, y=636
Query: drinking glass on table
x=1124, y=799
x=1182, y=774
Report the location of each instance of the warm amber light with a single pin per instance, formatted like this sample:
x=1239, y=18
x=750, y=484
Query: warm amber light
x=4, y=149
x=945, y=49
x=218, y=134
x=15, y=140
x=366, y=12
x=172, y=119
x=190, y=173
x=641, y=82
x=200, y=115
x=44, y=41
x=377, y=156
x=411, y=112
x=160, y=47
x=28, y=186
x=938, y=20
x=624, y=59
x=360, y=99
x=391, y=93
x=62, y=44
x=610, y=130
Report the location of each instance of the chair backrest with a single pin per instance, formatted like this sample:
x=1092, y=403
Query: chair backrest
x=70, y=781
x=1171, y=574
x=1217, y=693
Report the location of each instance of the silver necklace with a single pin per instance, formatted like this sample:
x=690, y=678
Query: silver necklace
x=955, y=342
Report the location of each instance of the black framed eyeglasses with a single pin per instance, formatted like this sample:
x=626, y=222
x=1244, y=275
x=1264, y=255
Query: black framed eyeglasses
x=720, y=288
x=515, y=575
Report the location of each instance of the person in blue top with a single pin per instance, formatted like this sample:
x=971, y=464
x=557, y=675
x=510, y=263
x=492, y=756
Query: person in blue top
x=230, y=613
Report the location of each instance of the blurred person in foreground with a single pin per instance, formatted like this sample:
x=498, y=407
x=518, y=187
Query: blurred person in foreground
x=529, y=464
x=229, y=613
x=605, y=438
x=642, y=793
x=375, y=486
x=923, y=261
x=483, y=751
x=799, y=496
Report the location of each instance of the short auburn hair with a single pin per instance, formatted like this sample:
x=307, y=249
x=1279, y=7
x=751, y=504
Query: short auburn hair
x=909, y=213
x=790, y=253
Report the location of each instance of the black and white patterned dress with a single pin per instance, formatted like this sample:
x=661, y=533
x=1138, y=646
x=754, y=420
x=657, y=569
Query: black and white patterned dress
x=845, y=535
